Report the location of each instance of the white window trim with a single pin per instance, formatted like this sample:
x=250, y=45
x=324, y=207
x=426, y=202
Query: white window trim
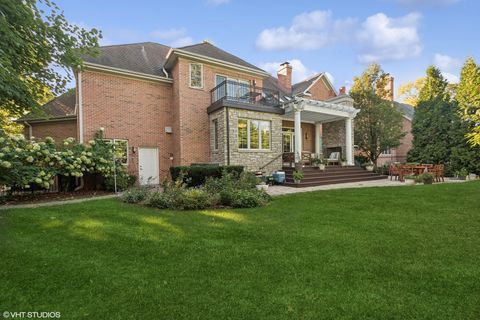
x=259, y=135
x=190, y=75
x=114, y=141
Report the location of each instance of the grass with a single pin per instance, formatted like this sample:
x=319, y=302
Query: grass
x=373, y=253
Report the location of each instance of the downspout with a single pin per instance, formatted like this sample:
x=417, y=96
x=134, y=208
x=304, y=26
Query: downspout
x=80, y=106
x=228, y=135
x=30, y=130
x=165, y=71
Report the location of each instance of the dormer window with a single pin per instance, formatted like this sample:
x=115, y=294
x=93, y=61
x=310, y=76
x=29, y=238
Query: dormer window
x=196, y=75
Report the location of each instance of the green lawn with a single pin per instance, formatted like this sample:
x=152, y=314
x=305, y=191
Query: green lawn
x=373, y=253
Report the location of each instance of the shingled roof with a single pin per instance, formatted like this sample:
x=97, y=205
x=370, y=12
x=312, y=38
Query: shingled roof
x=406, y=109
x=300, y=87
x=209, y=50
x=144, y=57
x=61, y=107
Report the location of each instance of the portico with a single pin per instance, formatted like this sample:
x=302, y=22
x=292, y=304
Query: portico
x=321, y=114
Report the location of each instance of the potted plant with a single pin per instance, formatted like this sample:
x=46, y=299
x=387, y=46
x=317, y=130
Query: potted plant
x=369, y=166
x=425, y=178
x=461, y=174
x=343, y=161
x=318, y=162
x=410, y=180
x=298, y=176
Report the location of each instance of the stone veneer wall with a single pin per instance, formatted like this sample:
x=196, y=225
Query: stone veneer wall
x=253, y=160
x=334, y=135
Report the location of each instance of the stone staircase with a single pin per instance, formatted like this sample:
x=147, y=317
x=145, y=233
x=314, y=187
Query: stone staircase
x=331, y=175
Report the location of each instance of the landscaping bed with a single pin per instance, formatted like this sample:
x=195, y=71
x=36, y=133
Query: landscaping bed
x=27, y=198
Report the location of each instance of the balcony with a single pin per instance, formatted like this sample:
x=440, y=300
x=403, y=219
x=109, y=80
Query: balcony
x=245, y=94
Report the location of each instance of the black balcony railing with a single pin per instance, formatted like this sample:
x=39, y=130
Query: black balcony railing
x=244, y=93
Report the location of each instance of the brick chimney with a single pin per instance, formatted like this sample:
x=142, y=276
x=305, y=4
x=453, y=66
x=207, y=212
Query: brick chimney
x=342, y=91
x=284, y=75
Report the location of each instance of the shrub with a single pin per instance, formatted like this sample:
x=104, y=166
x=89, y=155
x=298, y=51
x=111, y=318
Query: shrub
x=195, y=199
x=196, y=175
x=135, y=195
x=425, y=178
x=161, y=200
x=248, y=198
x=124, y=181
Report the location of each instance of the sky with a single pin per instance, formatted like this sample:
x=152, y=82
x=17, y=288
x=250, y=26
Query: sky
x=338, y=37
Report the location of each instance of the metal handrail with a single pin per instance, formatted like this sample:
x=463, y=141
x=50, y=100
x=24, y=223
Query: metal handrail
x=244, y=93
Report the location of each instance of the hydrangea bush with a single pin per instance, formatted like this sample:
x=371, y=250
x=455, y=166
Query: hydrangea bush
x=29, y=163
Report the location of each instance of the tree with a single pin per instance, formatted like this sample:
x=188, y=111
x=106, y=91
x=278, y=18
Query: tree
x=438, y=130
x=37, y=43
x=409, y=91
x=378, y=125
x=468, y=98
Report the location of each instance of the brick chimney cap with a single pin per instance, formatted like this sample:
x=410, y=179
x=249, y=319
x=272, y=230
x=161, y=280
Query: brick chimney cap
x=285, y=63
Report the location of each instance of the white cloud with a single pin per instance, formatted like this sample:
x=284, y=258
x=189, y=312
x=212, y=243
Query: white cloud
x=378, y=38
x=299, y=70
x=174, y=37
x=384, y=38
x=309, y=30
x=446, y=62
x=217, y=2
x=450, y=77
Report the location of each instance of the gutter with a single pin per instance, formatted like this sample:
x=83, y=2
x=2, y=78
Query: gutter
x=125, y=72
x=80, y=106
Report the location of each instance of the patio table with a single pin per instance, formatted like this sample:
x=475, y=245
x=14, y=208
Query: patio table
x=413, y=169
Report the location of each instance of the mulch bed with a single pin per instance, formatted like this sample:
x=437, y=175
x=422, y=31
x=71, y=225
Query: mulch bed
x=52, y=196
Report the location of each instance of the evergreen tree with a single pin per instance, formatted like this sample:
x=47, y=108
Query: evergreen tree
x=468, y=97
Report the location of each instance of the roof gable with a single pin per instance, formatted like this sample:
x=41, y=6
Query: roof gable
x=60, y=107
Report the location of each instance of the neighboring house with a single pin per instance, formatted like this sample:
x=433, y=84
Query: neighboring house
x=198, y=104
x=399, y=154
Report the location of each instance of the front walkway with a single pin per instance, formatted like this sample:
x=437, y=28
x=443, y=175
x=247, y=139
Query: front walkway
x=282, y=190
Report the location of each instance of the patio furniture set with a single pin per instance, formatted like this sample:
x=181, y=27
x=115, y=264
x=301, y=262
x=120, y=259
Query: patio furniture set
x=399, y=171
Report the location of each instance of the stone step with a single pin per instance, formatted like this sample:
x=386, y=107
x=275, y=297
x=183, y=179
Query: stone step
x=317, y=182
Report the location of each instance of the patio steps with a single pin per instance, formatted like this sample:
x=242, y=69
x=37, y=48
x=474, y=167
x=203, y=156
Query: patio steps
x=331, y=175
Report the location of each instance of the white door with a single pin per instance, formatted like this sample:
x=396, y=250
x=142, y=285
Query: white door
x=148, y=166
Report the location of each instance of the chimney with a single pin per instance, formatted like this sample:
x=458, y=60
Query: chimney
x=284, y=75
x=342, y=91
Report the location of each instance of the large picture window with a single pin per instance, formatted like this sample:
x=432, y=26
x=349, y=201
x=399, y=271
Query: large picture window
x=254, y=134
x=196, y=75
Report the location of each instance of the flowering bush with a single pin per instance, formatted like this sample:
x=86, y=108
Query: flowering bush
x=27, y=163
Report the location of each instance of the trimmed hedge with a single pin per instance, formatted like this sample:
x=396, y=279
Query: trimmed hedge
x=196, y=175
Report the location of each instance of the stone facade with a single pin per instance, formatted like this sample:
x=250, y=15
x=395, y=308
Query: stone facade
x=334, y=136
x=253, y=160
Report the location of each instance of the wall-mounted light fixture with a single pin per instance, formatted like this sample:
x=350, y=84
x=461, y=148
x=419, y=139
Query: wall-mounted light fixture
x=306, y=135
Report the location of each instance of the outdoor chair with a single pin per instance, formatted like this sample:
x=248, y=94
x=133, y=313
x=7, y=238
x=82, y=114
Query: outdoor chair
x=334, y=158
x=439, y=172
x=394, y=171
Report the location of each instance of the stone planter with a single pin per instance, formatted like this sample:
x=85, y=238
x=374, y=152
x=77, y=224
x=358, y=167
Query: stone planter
x=369, y=167
x=472, y=176
x=410, y=182
x=263, y=187
x=297, y=181
x=344, y=163
x=321, y=167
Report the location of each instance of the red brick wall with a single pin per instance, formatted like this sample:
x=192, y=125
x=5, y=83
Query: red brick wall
x=320, y=91
x=190, y=110
x=132, y=109
x=58, y=130
x=399, y=154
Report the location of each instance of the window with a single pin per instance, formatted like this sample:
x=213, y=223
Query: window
x=387, y=151
x=215, y=134
x=253, y=134
x=196, y=75
x=121, y=149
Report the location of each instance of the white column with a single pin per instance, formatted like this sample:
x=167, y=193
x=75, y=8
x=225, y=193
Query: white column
x=349, y=141
x=298, y=135
x=318, y=138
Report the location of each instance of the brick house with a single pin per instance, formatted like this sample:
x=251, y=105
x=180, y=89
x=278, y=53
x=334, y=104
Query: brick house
x=198, y=104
